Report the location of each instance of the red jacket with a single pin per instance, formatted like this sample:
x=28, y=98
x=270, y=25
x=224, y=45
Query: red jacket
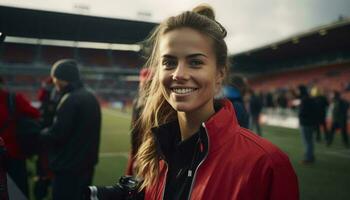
x=239, y=165
x=23, y=108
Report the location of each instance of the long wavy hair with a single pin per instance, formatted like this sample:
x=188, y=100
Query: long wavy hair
x=157, y=110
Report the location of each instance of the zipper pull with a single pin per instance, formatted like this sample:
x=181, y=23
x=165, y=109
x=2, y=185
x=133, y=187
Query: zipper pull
x=201, y=148
x=189, y=173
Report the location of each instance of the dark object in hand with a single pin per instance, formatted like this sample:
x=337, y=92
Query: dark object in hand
x=125, y=189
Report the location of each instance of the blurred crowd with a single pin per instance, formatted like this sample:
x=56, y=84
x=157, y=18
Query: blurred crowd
x=320, y=113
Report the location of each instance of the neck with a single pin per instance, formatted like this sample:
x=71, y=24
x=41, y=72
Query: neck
x=190, y=122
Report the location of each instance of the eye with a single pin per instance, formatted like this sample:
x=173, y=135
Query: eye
x=195, y=62
x=169, y=63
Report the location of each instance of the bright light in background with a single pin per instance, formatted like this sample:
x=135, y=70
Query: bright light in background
x=77, y=44
x=250, y=23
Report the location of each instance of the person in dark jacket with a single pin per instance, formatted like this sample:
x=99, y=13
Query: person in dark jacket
x=74, y=136
x=307, y=121
x=339, y=119
x=255, y=108
x=322, y=104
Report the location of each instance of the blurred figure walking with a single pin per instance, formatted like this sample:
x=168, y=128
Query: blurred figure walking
x=339, y=111
x=255, y=108
x=322, y=104
x=307, y=121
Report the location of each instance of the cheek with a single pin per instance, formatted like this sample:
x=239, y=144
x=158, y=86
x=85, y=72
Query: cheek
x=162, y=79
x=164, y=83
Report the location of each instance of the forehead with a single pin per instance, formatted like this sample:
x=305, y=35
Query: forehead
x=185, y=41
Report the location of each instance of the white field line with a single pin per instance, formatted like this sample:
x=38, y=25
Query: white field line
x=117, y=114
x=114, y=154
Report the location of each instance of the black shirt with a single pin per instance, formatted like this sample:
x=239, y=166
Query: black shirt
x=182, y=163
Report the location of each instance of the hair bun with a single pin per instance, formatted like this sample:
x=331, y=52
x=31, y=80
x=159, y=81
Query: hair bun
x=206, y=10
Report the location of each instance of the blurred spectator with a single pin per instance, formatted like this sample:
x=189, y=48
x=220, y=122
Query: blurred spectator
x=16, y=162
x=269, y=103
x=235, y=92
x=282, y=100
x=48, y=97
x=138, y=104
x=307, y=123
x=347, y=88
x=282, y=103
x=74, y=136
x=321, y=103
x=255, y=108
x=339, y=111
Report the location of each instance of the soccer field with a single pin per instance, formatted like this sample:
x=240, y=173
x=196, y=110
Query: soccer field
x=328, y=178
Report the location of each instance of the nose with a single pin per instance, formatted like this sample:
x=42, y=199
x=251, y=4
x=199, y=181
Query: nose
x=180, y=72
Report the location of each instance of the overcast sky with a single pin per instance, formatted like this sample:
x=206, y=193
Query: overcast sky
x=250, y=23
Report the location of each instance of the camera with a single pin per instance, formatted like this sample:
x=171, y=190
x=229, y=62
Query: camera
x=125, y=189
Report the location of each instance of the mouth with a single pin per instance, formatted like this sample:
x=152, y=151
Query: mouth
x=183, y=90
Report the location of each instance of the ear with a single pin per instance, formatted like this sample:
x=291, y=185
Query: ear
x=220, y=75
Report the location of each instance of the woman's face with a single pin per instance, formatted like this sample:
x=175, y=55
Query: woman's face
x=188, y=73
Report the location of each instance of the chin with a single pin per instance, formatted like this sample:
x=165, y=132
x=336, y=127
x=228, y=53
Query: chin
x=182, y=108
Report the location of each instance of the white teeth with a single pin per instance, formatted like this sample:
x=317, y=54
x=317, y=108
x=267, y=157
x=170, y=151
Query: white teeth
x=183, y=90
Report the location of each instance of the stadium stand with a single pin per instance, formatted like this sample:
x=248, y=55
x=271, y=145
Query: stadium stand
x=18, y=53
x=319, y=57
x=26, y=60
x=329, y=77
x=94, y=57
x=51, y=54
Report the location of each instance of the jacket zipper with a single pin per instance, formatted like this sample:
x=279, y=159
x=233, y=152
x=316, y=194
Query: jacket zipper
x=205, y=157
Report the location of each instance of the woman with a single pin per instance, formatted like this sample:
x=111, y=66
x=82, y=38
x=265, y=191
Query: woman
x=193, y=147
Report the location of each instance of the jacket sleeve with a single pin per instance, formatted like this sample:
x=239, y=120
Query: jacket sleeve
x=63, y=124
x=24, y=108
x=282, y=180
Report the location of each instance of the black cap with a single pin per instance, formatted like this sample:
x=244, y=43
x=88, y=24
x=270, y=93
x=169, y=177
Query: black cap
x=66, y=70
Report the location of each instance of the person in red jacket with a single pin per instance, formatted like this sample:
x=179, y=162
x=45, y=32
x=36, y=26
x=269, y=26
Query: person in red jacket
x=16, y=165
x=193, y=146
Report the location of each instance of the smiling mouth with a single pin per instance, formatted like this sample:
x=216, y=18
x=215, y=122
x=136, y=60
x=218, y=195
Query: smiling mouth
x=183, y=90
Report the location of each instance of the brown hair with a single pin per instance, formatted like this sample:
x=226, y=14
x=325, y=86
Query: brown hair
x=157, y=110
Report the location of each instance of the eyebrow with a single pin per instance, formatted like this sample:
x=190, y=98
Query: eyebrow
x=189, y=56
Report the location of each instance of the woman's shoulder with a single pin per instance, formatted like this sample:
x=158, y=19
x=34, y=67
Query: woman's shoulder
x=252, y=143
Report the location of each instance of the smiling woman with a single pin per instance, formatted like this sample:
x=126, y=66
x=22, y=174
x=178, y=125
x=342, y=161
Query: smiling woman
x=193, y=146
x=188, y=74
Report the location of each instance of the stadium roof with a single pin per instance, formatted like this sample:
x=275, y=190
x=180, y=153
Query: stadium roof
x=62, y=26
x=323, y=40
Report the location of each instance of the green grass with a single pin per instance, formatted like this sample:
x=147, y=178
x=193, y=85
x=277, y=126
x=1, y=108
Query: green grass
x=328, y=178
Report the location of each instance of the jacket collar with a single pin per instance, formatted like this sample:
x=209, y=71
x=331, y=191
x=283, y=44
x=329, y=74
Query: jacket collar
x=221, y=126
x=72, y=86
x=218, y=128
